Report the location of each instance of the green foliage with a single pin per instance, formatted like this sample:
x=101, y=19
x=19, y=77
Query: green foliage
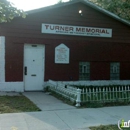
x=8, y=11
x=118, y=7
x=59, y=1
x=107, y=127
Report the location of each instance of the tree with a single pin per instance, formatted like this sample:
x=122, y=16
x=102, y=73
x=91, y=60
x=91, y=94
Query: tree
x=118, y=7
x=59, y=1
x=8, y=11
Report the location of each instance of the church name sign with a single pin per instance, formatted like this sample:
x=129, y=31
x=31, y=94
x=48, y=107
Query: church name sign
x=76, y=30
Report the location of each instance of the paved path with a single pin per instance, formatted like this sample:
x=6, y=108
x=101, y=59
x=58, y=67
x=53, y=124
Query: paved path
x=47, y=102
x=61, y=117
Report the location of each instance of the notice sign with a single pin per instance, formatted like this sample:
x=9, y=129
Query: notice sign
x=62, y=54
x=76, y=30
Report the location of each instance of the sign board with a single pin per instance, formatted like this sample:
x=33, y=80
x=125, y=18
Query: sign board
x=76, y=30
x=62, y=54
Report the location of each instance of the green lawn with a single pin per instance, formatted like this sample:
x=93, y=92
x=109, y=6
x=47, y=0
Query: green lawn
x=107, y=127
x=14, y=104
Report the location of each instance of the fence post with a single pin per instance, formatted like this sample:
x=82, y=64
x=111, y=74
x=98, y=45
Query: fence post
x=78, y=100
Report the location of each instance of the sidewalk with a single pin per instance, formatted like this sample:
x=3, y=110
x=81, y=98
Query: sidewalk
x=47, y=102
x=63, y=117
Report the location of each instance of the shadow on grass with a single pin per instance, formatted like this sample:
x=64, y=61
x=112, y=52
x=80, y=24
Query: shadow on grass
x=15, y=104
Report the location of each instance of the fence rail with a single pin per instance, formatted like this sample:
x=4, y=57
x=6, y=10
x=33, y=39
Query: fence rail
x=91, y=93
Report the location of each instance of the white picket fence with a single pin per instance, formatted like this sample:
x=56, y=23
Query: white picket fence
x=91, y=93
x=105, y=94
x=67, y=91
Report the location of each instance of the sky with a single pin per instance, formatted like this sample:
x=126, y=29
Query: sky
x=30, y=4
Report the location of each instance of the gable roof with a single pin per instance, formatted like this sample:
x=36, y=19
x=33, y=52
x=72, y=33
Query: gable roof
x=86, y=2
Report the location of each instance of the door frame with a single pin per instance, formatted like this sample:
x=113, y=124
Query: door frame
x=24, y=64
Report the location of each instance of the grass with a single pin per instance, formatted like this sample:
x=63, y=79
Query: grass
x=107, y=127
x=104, y=104
x=15, y=104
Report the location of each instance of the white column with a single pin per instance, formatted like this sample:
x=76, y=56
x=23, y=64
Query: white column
x=78, y=100
x=2, y=59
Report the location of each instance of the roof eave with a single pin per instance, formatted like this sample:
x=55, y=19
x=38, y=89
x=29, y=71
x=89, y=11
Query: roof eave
x=88, y=3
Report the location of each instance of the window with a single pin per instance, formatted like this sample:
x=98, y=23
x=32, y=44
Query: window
x=84, y=71
x=115, y=71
